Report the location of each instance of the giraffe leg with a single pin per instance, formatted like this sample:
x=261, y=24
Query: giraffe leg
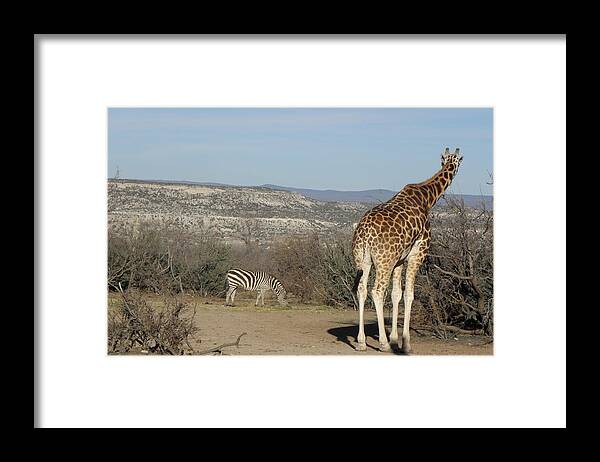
x=378, y=293
x=415, y=259
x=396, y=296
x=362, y=296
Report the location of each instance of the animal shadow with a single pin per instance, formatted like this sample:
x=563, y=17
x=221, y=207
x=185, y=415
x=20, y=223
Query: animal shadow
x=347, y=333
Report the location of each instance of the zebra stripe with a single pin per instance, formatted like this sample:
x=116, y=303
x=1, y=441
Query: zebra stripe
x=254, y=281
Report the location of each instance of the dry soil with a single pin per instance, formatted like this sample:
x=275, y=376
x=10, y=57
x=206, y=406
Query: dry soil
x=305, y=330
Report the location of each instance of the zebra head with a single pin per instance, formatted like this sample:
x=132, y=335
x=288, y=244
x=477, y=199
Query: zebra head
x=280, y=291
x=281, y=297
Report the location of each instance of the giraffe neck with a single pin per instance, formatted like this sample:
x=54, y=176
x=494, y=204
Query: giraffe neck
x=433, y=188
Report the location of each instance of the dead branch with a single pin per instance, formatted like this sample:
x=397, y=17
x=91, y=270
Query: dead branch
x=220, y=347
x=450, y=273
x=419, y=330
x=458, y=330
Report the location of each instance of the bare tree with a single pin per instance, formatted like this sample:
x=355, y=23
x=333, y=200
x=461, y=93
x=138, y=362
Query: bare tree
x=457, y=279
x=248, y=230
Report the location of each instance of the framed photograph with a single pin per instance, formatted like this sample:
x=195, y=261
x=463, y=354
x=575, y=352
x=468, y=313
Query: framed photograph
x=282, y=222
x=213, y=210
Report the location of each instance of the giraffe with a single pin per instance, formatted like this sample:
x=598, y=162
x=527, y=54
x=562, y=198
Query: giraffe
x=391, y=235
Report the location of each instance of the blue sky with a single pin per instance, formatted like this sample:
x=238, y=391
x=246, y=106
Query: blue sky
x=344, y=149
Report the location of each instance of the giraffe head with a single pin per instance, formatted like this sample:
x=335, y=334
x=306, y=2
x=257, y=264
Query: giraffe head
x=451, y=160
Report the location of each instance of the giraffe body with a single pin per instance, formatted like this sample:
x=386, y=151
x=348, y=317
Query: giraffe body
x=393, y=235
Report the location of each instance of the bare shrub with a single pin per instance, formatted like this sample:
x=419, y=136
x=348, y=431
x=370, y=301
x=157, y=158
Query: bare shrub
x=316, y=269
x=201, y=265
x=337, y=271
x=258, y=257
x=137, y=258
x=136, y=323
x=248, y=231
x=253, y=254
x=455, y=285
x=166, y=258
x=296, y=261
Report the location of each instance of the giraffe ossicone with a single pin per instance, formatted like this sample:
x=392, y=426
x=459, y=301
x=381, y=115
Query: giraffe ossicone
x=393, y=235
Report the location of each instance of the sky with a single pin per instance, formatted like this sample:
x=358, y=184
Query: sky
x=318, y=148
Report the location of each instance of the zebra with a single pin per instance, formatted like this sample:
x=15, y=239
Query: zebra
x=253, y=280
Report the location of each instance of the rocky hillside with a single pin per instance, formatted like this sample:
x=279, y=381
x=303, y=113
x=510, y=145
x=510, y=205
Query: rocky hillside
x=236, y=213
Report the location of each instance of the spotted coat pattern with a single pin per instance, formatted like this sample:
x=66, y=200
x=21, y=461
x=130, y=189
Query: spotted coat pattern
x=391, y=234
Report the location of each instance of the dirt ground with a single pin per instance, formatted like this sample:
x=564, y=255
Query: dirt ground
x=304, y=330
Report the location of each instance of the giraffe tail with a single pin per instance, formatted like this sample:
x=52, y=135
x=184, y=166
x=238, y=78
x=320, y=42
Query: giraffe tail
x=359, y=274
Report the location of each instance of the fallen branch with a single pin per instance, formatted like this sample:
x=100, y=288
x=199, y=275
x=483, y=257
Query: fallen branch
x=419, y=330
x=458, y=330
x=220, y=347
x=448, y=328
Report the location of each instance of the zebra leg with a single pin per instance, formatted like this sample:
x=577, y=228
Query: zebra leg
x=228, y=295
x=233, y=295
x=260, y=297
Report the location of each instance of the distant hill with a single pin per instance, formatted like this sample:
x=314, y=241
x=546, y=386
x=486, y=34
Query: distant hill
x=372, y=196
x=231, y=211
x=368, y=196
x=264, y=212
